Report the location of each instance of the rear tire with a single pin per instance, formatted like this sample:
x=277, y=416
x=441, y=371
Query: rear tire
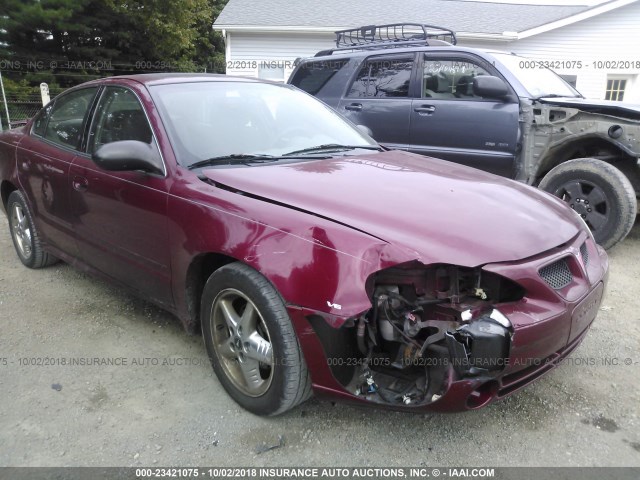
x=251, y=342
x=598, y=192
x=24, y=234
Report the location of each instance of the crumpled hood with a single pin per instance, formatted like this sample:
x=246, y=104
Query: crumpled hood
x=435, y=210
x=606, y=107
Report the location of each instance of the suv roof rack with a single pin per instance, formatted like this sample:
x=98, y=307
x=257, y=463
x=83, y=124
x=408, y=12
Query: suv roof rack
x=391, y=35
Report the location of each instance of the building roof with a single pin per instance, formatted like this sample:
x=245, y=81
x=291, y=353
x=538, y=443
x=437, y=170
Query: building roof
x=458, y=15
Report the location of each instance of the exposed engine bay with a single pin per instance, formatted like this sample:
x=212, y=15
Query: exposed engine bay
x=427, y=326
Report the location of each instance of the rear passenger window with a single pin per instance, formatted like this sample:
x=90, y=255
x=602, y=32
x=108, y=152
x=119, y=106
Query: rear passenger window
x=67, y=117
x=382, y=77
x=312, y=76
x=450, y=79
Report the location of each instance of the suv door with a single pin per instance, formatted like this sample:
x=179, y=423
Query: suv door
x=120, y=217
x=380, y=98
x=44, y=158
x=450, y=121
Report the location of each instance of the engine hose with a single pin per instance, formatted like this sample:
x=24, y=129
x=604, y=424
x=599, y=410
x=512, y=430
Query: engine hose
x=431, y=301
x=384, y=397
x=362, y=344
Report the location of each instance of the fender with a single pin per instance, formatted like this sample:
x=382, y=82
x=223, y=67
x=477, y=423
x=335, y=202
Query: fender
x=320, y=264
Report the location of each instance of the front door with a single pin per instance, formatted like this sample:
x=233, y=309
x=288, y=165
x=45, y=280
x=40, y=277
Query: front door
x=120, y=217
x=449, y=121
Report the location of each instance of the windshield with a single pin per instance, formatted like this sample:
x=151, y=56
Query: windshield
x=537, y=79
x=208, y=120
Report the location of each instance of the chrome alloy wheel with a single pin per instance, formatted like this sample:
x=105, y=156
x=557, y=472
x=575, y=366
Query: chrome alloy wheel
x=21, y=230
x=241, y=342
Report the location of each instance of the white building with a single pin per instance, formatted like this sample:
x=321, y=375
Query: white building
x=596, y=48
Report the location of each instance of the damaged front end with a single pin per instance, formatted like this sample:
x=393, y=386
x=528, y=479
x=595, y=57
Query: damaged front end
x=556, y=130
x=428, y=327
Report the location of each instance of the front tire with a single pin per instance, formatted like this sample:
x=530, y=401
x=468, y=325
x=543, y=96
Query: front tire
x=251, y=342
x=599, y=193
x=24, y=234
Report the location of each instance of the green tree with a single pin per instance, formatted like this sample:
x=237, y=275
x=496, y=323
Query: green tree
x=130, y=34
x=67, y=42
x=177, y=32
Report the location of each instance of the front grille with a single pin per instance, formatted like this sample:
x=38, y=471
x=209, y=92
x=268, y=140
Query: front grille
x=557, y=275
x=584, y=253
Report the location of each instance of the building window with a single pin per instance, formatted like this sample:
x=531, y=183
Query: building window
x=615, y=89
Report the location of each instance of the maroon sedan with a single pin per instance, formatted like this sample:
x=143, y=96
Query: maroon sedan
x=311, y=258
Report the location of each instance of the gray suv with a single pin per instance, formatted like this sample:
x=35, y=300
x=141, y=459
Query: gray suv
x=415, y=90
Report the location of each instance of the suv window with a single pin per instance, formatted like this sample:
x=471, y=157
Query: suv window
x=312, y=76
x=381, y=77
x=67, y=117
x=450, y=79
x=119, y=116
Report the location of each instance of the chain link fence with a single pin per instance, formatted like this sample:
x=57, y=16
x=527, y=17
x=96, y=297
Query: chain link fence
x=16, y=108
x=22, y=80
x=20, y=109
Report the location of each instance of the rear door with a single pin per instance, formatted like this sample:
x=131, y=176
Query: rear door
x=379, y=97
x=44, y=159
x=449, y=121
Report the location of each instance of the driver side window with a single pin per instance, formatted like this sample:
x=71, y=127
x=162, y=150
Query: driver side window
x=119, y=116
x=450, y=79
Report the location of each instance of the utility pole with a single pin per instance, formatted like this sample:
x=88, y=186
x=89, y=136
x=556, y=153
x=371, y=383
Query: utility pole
x=6, y=108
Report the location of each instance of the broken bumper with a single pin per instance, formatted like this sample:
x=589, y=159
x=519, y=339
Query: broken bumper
x=546, y=329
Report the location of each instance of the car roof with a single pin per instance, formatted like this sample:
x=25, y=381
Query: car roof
x=170, y=78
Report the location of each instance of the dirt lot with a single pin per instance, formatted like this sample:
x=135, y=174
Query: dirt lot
x=587, y=412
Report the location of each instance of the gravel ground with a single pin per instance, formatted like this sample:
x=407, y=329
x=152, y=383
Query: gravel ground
x=585, y=413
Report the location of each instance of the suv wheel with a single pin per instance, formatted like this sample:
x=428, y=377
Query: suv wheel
x=599, y=193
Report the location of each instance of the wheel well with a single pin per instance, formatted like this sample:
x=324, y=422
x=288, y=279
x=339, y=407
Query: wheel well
x=199, y=271
x=5, y=190
x=594, y=147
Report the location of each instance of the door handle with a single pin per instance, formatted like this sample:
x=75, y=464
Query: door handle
x=354, y=107
x=425, y=109
x=80, y=183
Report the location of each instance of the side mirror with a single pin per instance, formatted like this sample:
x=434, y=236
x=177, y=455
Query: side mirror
x=490, y=87
x=366, y=130
x=128, y=155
